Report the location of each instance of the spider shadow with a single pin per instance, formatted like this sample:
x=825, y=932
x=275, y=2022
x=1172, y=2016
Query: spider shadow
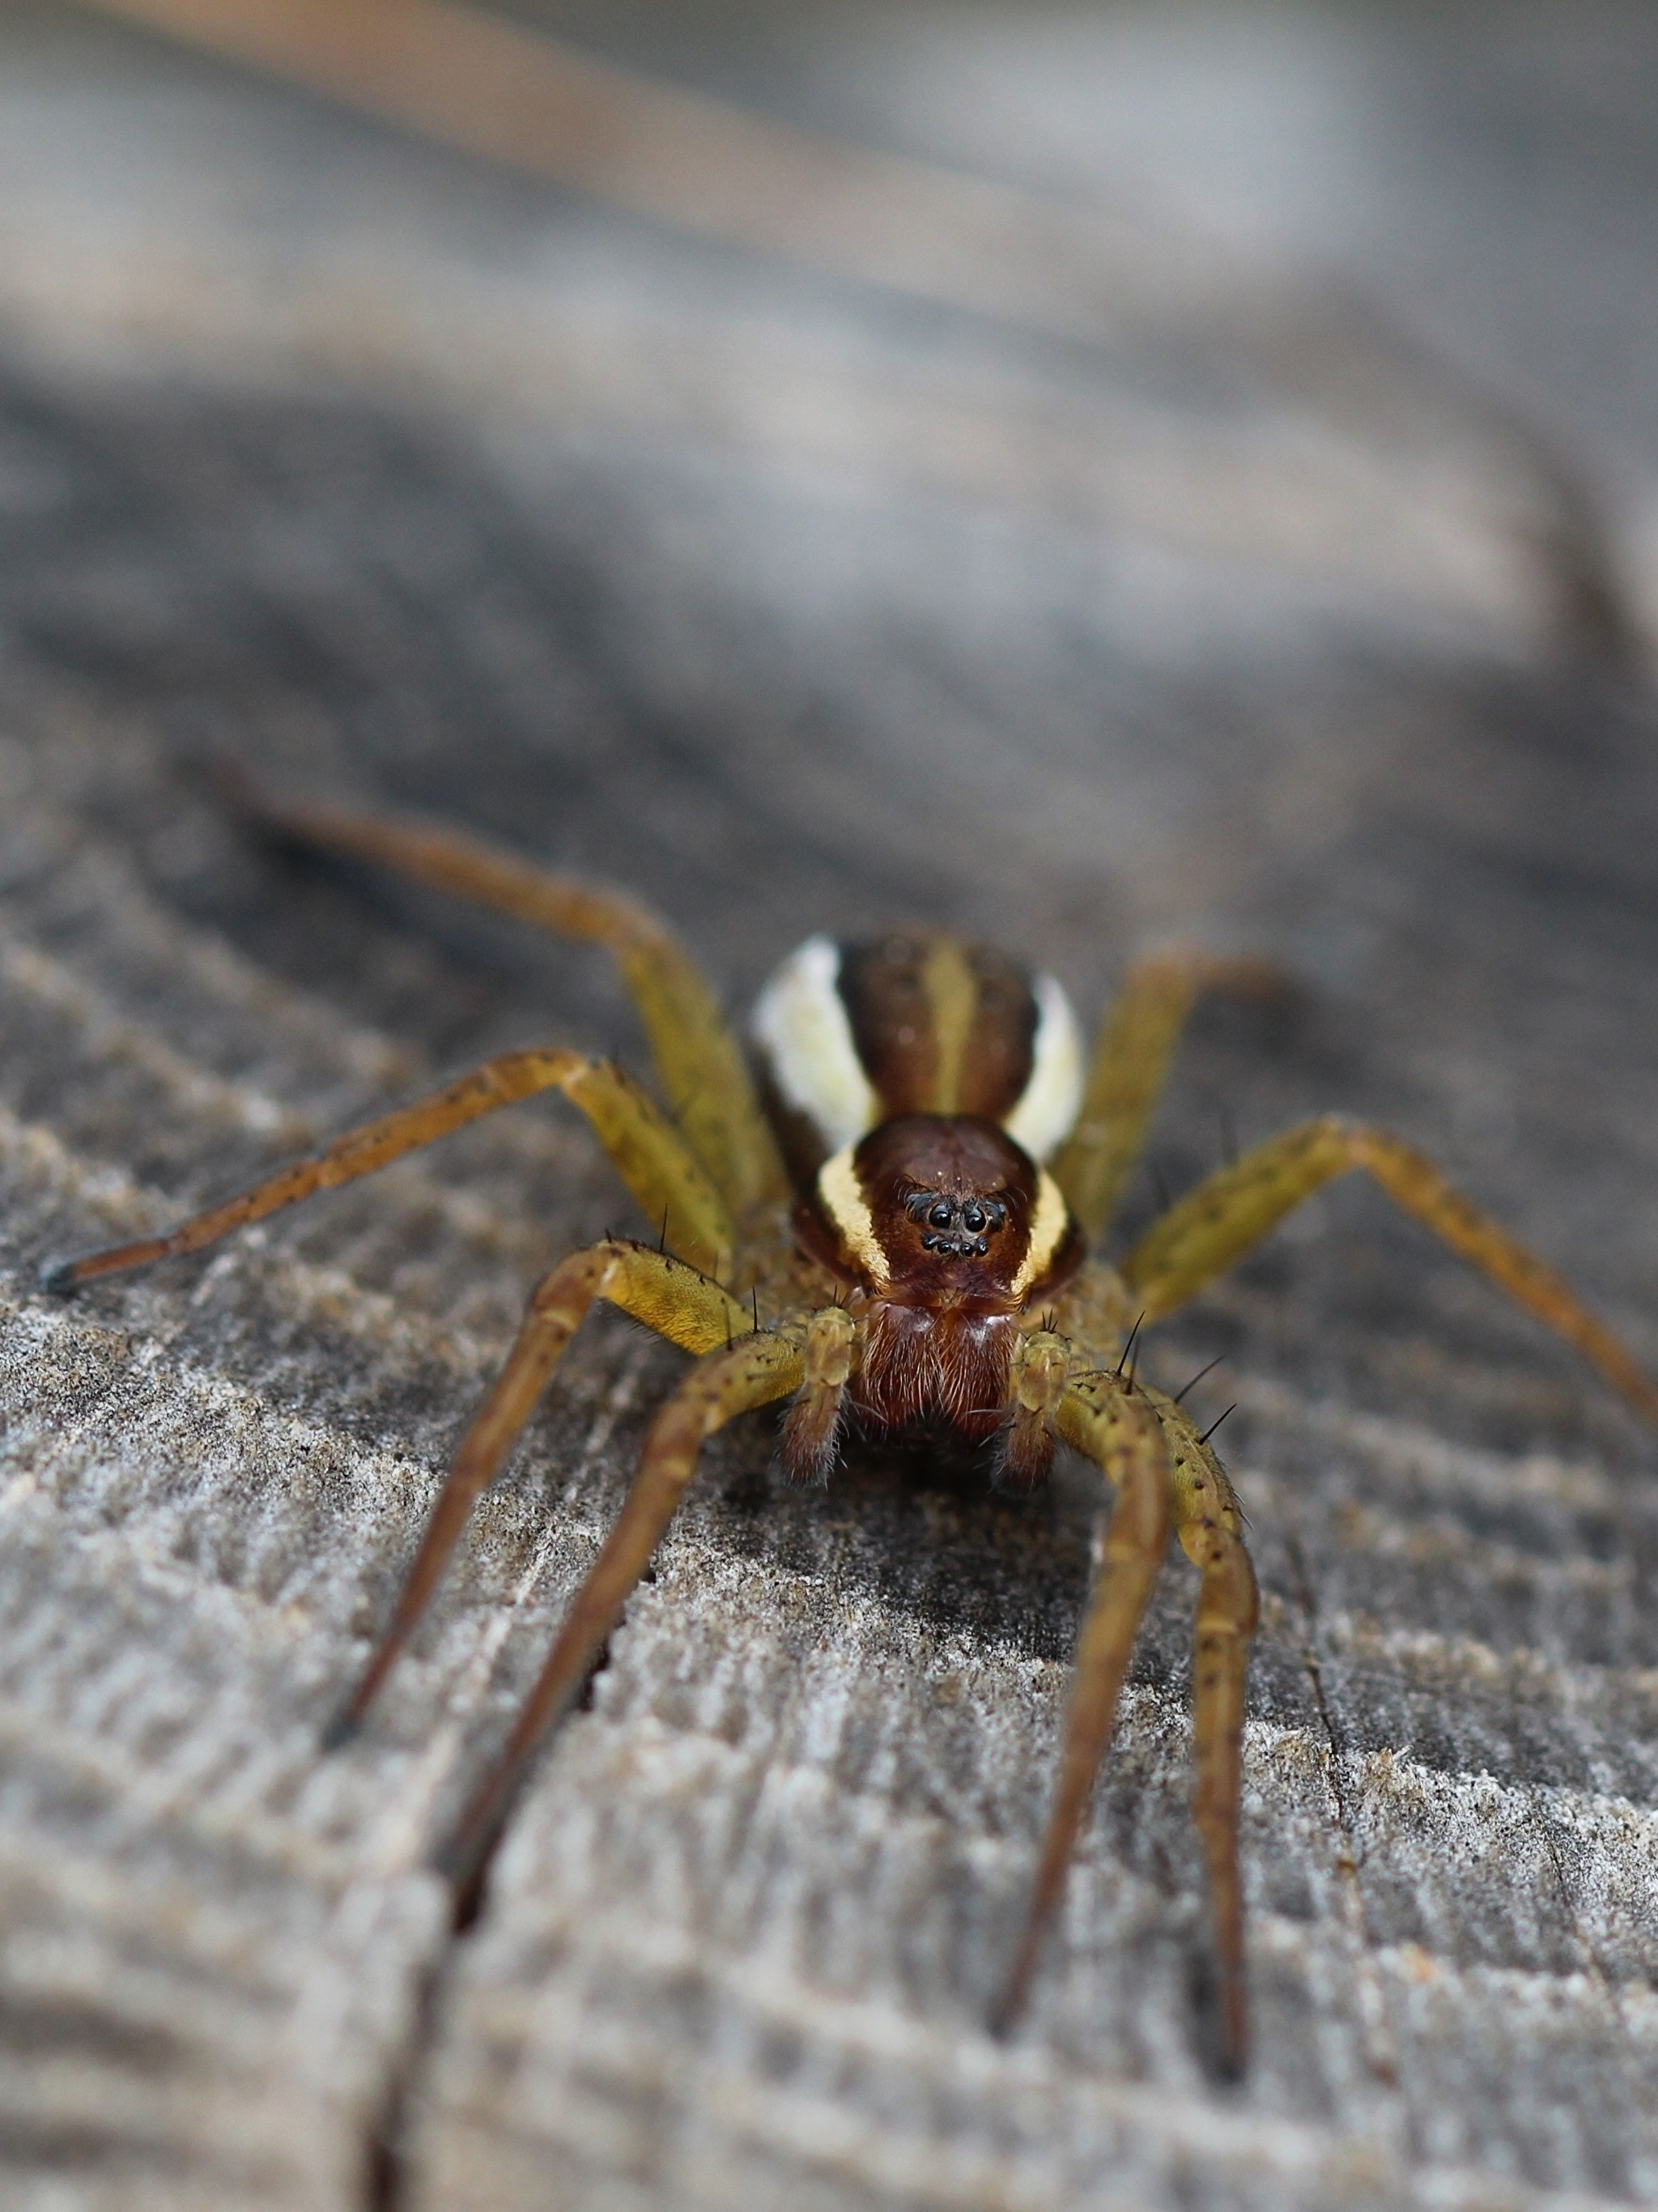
x=919, y=1523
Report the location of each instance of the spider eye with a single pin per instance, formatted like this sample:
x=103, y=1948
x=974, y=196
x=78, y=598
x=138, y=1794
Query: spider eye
x=974, y=1216
x=942, y=1214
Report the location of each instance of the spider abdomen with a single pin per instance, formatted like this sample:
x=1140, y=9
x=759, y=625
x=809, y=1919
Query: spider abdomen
x=915, y=1022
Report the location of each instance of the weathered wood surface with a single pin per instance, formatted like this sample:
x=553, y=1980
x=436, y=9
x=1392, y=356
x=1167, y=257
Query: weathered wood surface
x=738, y=1945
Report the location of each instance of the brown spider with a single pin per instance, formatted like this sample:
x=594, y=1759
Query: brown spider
x=881, y=1199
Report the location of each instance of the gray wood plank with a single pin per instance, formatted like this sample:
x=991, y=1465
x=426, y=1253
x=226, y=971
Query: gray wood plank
x=740, y=1943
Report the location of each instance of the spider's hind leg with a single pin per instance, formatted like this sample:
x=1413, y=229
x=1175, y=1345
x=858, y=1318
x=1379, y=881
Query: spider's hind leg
x=702, y=1073
x=1131, y=1059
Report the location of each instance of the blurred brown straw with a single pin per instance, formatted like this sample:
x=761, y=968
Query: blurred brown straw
x=519, y=97
x=497, y=88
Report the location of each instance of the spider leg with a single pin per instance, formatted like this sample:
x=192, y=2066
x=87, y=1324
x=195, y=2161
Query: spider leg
x=1219, y=1221
x=1132, y=1060
x=649, y=1153
x=1095, y=1309
x=656, y=1289
x=1115, y=1427
x=1210, y=1531
x=700, y=1064
x=763, y=1367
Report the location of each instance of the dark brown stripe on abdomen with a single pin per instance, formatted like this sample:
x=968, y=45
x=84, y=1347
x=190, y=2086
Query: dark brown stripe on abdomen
x=940, y=1026
x=996, y=1066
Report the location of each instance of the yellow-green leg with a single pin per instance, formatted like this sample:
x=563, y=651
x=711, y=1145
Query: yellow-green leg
x=648, y=1153
x=1214, y=1225
x=1095, y=1309
x=1115, y=1427
x=1132, y=1060
x=756, y=1371
x=1211, y=1530
x=663, y=1293
x=699, y=1063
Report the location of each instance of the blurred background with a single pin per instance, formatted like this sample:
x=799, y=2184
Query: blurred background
x=1085, y=475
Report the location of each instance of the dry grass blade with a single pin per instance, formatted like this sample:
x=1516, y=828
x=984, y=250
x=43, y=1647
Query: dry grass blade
x=1095, y=273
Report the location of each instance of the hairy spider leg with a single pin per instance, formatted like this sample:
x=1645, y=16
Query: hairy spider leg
x=1214, y=1224
x=704, y=1077
x=648, y=1153
x=1211, y=1530
x=757, y=1370
x=1116, y=1428
x=663, y=1293
x=1095, y=1307
x=1131, y=1059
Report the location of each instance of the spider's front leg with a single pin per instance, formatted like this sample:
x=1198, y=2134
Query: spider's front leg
x=664, y=1293
x=766, y=1365
x=667, y=1292
x=1111, y=1422
x=1163, y=1474
x=1214, y=1225
x=1210, y=1525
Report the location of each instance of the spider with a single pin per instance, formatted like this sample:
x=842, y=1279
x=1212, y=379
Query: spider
x=889, y=1225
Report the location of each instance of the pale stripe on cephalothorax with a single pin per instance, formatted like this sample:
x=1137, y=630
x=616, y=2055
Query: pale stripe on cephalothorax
x=842, y=1195
x=1049, y=1227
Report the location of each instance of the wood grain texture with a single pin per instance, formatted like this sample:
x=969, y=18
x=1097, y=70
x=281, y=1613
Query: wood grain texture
x=741, y=1940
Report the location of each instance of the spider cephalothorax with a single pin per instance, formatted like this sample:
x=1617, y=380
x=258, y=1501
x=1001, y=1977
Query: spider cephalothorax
x=900, y=1237
x=944, y=1231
